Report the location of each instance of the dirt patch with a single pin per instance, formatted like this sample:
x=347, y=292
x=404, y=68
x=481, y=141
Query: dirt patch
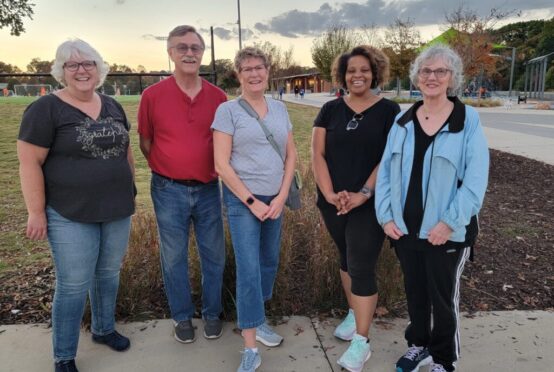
x=513, y=267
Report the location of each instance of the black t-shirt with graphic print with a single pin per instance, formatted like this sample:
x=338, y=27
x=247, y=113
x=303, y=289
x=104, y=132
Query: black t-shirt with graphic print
x=351, y=155
x=87, y=175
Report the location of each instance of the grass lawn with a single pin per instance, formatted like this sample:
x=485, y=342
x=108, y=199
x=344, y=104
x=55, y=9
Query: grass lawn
x=15, y=249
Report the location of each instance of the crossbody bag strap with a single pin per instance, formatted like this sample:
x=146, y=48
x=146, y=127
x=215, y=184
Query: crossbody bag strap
x=250, y=110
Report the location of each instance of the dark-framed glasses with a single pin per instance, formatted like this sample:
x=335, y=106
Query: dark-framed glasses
x=249, y=70
x=184, y=48
x=439, y=72
x=353, y=123
x=74, y=66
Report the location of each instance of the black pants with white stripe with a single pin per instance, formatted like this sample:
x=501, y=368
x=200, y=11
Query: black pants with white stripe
x=432, y=285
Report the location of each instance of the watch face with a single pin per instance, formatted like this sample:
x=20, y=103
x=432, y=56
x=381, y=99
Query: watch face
x=250, y=200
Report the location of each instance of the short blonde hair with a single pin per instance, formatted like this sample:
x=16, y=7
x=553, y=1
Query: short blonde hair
x=250, y=52
x=72, y=47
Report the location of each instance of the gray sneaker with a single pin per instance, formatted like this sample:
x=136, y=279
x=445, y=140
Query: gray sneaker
x=250, y=361
x=267, y=336
x=184, y=332
x=213, y=328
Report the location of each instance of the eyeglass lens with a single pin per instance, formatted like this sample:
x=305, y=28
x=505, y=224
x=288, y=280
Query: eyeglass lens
x=440, y=72
x=184, y=48
x=74, y=66
x=353, y=123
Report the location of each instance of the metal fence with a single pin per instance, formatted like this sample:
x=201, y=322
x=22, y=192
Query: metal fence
x=120, y=83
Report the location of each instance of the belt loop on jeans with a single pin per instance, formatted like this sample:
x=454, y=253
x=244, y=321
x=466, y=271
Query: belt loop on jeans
x=185, y=182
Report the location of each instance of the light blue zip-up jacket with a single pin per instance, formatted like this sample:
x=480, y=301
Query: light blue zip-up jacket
x=455, y=172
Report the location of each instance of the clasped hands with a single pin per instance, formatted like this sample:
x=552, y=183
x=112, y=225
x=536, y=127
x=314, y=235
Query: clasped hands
x=345, y=201
x=438, y=235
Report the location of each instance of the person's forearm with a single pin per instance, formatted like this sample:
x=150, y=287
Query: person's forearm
x=290, y=165
x=131, y=160
x=32, y=186
x=232, y=181
x=321, y=174
x=145, y=145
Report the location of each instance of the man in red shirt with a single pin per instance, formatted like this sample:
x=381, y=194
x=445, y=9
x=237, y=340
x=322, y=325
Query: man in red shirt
x=174, y=126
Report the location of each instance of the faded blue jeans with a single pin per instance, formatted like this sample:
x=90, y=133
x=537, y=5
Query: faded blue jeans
x=257, y=246
x=177, y=207
x=87, y=258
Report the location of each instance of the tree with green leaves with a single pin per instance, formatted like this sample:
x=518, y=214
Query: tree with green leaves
x=327, y=47
x=12, y=13
x=402, y=40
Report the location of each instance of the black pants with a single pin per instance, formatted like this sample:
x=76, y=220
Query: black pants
x=432, y=284
x=359, y=238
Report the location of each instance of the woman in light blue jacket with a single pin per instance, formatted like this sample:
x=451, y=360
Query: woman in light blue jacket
x=430, y=186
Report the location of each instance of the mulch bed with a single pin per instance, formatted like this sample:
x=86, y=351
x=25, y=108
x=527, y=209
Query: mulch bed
x=514, y=256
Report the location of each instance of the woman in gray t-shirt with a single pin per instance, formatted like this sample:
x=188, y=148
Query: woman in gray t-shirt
x=256, y=185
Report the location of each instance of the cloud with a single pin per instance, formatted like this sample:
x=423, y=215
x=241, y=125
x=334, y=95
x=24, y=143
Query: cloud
x=229, y=33
x=296, y=23
x=154, y=37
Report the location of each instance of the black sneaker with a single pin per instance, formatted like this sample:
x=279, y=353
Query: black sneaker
x=415, y=357
x=66, y=366
x=184, y=332
x=213, y=328
x=114, y=340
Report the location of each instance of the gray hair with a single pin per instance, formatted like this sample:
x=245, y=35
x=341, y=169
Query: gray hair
x=182, y=31
x=250, y=52
x=78, y=47
x=451, y=59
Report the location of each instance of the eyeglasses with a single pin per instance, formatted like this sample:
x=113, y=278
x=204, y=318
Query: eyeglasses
x=184, y=48
x=249, y=70
x=439, y=72
x=74, y=66
x=353, y=123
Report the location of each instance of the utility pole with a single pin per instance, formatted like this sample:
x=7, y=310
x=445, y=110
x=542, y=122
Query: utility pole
x=238, y=22
x=512, y=70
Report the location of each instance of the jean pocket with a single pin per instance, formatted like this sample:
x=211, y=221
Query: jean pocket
x=159, y=182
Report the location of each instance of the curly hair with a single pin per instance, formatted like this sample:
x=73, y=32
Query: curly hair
x=378, y=62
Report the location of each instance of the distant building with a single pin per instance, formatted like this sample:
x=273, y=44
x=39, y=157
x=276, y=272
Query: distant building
x=311, y=83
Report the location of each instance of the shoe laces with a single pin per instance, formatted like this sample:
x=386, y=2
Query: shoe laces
x=437, y=368
x=264, y=328
x=248, y=359
x=358, y=346
x=413, y=352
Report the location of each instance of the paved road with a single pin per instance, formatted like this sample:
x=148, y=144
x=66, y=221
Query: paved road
x=531, y=123
x=520, y=130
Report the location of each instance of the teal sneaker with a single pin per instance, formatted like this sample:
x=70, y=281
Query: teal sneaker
x=356, y=355
x=267, y=336
x=250, y=361
x=347, y=328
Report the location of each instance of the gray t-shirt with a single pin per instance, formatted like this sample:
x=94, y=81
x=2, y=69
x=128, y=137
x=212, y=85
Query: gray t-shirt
x=253, y=158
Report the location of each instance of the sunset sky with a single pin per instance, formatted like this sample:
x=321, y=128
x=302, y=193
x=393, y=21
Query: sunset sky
x=126, y=31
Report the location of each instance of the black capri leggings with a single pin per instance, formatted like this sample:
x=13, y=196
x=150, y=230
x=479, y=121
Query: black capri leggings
x=359, y=238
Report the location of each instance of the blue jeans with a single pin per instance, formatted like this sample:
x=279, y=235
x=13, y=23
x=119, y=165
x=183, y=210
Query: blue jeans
x=176, y=207
x=256, y=245
x=87, y=258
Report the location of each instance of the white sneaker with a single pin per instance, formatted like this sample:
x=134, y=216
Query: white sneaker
x=347, y=328
x=356, y=355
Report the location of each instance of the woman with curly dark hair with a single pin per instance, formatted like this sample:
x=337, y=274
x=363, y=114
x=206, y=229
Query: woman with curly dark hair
x=348, y=140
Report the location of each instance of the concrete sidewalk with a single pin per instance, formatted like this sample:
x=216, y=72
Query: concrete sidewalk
x=532, y=146
x=511, y=340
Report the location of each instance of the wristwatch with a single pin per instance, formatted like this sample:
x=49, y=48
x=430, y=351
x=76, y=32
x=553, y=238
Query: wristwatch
x=250, y=200
x=366, y=191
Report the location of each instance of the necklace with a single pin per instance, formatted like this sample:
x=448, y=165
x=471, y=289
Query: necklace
x=426, y=113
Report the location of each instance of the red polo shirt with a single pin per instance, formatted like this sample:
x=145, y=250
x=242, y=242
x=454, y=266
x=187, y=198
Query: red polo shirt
x=179, y=127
